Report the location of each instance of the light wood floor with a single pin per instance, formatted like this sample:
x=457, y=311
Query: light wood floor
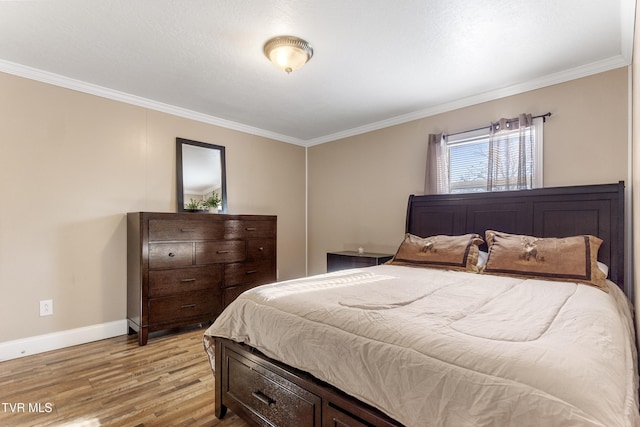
x=114, y=382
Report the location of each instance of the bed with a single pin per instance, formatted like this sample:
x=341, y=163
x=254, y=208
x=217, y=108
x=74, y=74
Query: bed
x=433, y=339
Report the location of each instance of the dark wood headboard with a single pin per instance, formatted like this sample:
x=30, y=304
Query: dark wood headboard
x=545, y=212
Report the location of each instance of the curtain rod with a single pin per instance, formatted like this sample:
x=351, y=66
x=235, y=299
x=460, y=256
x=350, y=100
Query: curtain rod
x=544, y=119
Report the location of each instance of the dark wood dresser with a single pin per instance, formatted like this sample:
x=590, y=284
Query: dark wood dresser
x=185, y=268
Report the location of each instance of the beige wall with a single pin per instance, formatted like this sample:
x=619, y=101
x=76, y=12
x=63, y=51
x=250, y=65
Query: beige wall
x=358, y=187
x=72, y=165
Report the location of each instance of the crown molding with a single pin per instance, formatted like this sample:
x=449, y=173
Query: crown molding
x=92, y=89
x=549, y=80
x=618, y=61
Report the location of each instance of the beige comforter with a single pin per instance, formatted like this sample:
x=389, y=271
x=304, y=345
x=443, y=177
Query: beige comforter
x=441, y=348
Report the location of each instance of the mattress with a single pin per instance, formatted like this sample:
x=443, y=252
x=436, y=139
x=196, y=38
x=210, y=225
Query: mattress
x=445, y=348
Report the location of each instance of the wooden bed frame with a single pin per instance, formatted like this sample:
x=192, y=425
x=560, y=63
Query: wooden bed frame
x=546, y=212
x=295, y=398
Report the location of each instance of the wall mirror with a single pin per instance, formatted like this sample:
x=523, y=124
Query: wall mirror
x=200, y=173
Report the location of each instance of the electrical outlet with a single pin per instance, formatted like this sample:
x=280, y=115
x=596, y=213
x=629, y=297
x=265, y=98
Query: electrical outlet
x=46, y=307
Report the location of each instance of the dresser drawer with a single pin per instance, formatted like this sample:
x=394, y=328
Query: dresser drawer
x=184, y=305
x=170, y=255
x=256, y=273
x=163, y=230
x=220, y=252
x=261, y=249
x=169, y=282
x=242, y=229
x=269, y=396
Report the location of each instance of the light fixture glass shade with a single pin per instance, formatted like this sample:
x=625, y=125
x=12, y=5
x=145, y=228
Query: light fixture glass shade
x=288, y=53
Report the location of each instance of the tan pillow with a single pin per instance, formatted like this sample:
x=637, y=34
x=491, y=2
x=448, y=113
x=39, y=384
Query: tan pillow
x=450, y=252
x=568, y=259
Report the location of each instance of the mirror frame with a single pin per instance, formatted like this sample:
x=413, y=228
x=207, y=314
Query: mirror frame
x=180, y=142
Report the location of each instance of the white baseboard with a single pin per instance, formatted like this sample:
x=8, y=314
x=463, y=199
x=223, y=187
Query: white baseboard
x=57, y=340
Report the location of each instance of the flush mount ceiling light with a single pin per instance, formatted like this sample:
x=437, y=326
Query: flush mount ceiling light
x=288, y=52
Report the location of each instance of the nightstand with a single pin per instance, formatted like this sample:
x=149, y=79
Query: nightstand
x=351, y=259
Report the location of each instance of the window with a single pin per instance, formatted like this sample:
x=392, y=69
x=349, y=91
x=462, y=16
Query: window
x=468, y=160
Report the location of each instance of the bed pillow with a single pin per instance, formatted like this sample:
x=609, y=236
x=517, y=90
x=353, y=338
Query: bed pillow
x=568, y=259
x=448, y=252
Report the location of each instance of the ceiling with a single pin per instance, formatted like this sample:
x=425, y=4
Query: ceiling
x=376, y=62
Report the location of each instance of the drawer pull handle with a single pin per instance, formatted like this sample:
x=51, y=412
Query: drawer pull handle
x=251, y=228
x=263, y=398
x=187, y=306
x=252, y=271
x=171, y=254
x=188, y=280
x=222, y=252
x=187, y=230
x=261, y=249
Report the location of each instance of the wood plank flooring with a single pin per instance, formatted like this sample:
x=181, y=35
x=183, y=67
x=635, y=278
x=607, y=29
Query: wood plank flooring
x=114, y=382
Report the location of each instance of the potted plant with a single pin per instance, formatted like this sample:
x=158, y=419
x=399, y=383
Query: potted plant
x=193, y=205
x=213, y=202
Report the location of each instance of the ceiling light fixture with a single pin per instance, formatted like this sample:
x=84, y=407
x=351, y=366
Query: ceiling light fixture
x=288, y=53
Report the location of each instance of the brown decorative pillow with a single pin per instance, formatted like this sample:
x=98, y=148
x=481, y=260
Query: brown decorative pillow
x=449, y=252
x=568, y=259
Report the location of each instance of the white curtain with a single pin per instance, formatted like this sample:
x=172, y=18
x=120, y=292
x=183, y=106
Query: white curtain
x=506, y=156
x=511, y=154
x=437, y=172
